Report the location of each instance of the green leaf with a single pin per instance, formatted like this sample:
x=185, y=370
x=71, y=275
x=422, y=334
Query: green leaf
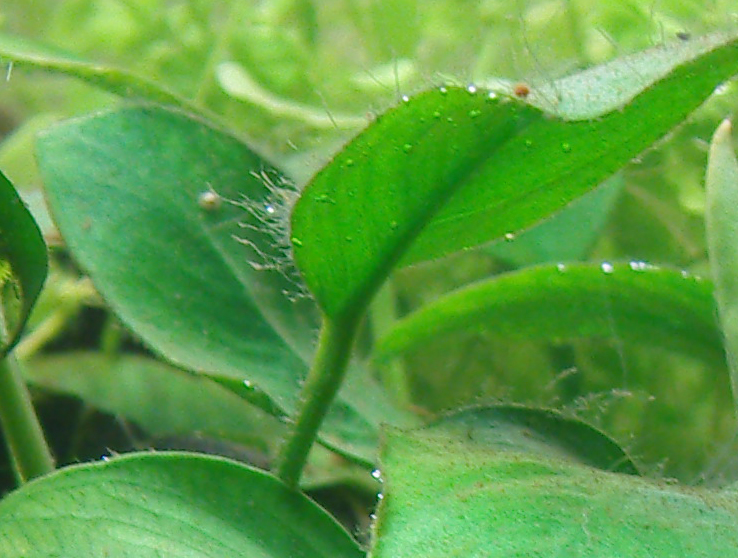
x=167, y=504
x=567, y=236
x=161, y=399
x=636, y=302
x=25, y=53
x=721, y=219
x=449, y=494
x=452, y=169
x=543, y=432
x=23, y=264
x=179, y=226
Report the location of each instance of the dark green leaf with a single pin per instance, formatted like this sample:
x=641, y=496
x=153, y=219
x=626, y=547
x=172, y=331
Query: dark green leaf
x=449, y=494
x=167, y=504
x=635, y=302
x=22, y=264
x=181, y=228
x=543, y=432
x=451, y=169
x=161, y=399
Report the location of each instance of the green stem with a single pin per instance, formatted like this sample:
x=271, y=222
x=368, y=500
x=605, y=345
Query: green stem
x=26, y=443
x=325, y=377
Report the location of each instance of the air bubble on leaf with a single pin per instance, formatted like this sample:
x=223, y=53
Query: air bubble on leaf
x=472, y=89
x=380, y=496
x=349, y=162
x=209, y=201
x=721, y=89
x=269, y=209
x=377, y=474
x=437, y=114
x=491, y=95
x=561, y=268
x=407, y=148
x=509, y=236
x=566, y=147
x=607, y=267
x=405, y=99
x=442, y=90
x=640, y=266
x=475, y=113
x=394, y=225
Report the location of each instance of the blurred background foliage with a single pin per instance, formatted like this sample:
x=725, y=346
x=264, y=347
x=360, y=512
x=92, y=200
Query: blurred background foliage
x=296, y=78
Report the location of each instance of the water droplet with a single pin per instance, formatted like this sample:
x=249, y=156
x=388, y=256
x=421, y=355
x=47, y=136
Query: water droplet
x=561, y=268
x=566, y=147
x=721, y=89
x=407, y=147
x=377, y=474
x=296, y=242
x=491, y=95
x=442, y=90
x=349, y=239
x=607, y=267
x=105, y=458
x=380, y=496
x=640, y=266
x=349, y=162
x=529, y=143
x=509, y=236
x=437, y=114
x=209, y=201
x=474, y=113
x=269, y=209
x=393, y=225
x=248, y=384
x=472, y=89
x=405, y=99
x=450, y=119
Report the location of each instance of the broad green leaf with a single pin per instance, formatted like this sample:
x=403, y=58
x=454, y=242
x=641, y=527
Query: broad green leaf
x=450, y=494
x=161, y=399
x=567, y=236
x=451, y=169
x=636, y=302
x=23, y=264
x=530, y=430
x=180, y=227
x=166, y=504
x=25, y=53
x=721, y=216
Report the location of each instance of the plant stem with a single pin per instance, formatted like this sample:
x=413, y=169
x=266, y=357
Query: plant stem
x=28, y=449
x=322, y=383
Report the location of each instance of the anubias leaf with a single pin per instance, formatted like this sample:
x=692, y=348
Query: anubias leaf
x=23, y=264
x=166, y=504
x=637, y=302
x=454, y=168
x=178, y=225
x=451, y=494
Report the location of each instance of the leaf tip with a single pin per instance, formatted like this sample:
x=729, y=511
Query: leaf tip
x=723, y=132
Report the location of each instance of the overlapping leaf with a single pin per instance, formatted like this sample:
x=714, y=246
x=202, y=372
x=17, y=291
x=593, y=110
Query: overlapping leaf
x=178, y=225
x=23, y=264
x=454, y=168
x=486, y=493
x=636, y=302
x=167, y=504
